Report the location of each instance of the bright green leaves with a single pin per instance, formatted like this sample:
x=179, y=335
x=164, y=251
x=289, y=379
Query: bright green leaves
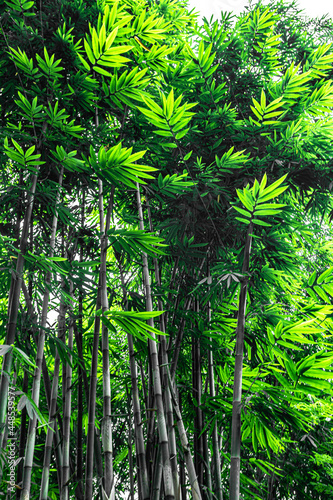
x=118, y=165
x=172, y=185
x=231, y=160
x=48, y=65
x=23, y=62
x=265, y=112
x=30, y=111
x=254, y=201
x=292, y=85
x=260, y=28
x=25, y=159
x=69, y=160
x=58, y=119
x=321, y=287
x=320, y=100
x=126, y=87
x=132, y=322
x=100, y=52
x=206, y=59
x=170, y=119
x=132, y=240
x=21, y=6
x=319, y=62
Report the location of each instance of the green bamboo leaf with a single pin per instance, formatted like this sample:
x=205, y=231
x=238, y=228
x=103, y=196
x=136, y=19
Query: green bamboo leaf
x=89, y=54
x=247, y=204
x=258, y=213
x=246, y=221
x=260, y=222
x=312, y=278
x=321, y=293
x=243, y=212
x=324, y=275
x=273, y=194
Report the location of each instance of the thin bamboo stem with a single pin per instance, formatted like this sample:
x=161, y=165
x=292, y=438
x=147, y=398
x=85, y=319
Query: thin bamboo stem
x=237, y=393
x=161, y=424
x=27, y=468
x=13, y=307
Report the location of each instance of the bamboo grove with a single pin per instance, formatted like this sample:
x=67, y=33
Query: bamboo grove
x=166, y=252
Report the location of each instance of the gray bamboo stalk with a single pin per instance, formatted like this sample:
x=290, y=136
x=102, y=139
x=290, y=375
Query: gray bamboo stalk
x=157, y=477
x=13, y=307
x=46, y=380
x=179, y=338
x=67, y=412
x=208, y=472
x=96, y=443
x=23, y=434
x=237, y=392
x=167, y=394
x=52, y=411
x=130, y=447
x=140, y=445
x=109, y=488
x=78, y=332
x=216, y=450
x=161, y=423
x=27, y=468
x=92, y=403
x=197, y=391
x=196, y=493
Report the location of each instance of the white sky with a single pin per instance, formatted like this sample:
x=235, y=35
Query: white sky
x=313, y=8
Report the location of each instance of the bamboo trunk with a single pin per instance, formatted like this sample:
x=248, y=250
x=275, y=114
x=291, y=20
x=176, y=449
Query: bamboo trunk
x=164, y=375
x=13, y=307
x=140, y=445
x=27, y=468
x=237, y=393
x=196, y=493
x=92, y=403
x=67, y=413
x=52, y=411
x=216, y=450
x=161, y=424
x=197, y=392
x=106, y=422
x=78, y=332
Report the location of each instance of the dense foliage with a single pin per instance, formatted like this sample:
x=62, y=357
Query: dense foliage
x=165, y=238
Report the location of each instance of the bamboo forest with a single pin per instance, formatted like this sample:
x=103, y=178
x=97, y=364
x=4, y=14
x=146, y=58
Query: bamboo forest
x=166, y=252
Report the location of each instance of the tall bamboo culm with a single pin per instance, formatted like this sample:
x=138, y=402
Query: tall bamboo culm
x=161, y=423
x=237, y=393
x=30, y=447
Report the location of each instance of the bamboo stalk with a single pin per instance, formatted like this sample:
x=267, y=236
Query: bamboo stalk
x=52, y=411
x=106, y=422
x=167, y=394
x=216, y=450
x=78, y=332
x=161, y=424
x=67, y=413
x=196, y=493
x=27, y=468
x=13, y=307
x=140, y=445
x=92, y=403
x=237, y=392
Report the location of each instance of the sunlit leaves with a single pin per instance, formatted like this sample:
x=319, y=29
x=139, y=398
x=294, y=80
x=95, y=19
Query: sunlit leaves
x=254, y=200
x=25, y=159
x=118, y=165
x=170, y=118
x=132, y=241
x=265, y=112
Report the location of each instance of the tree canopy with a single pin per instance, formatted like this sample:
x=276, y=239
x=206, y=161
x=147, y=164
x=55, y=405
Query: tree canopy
x=166, y=252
